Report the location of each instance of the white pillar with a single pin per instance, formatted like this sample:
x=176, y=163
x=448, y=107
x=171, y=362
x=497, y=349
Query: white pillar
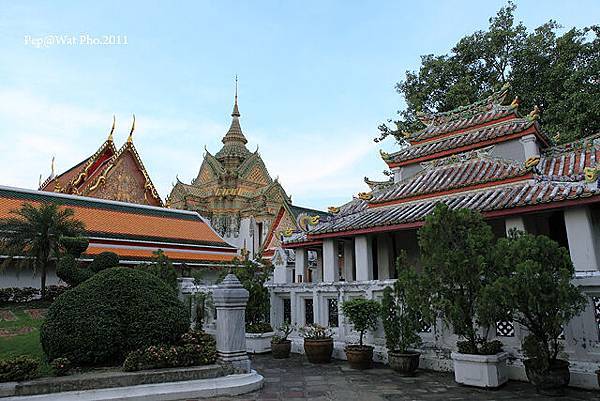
x=384, y=254
x=348, y=260
x=317, y=276
x=583, y=238
x=364, y=258
x=514, y=222
x=301, y=262
x=530, y=146
x=331, y=261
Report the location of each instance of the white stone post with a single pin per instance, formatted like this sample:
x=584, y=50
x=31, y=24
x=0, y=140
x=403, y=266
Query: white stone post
x=530, y=146
x=230, y=299
x=317, y=276
x=514, y=222
x=583, y=238
x=301, y=263
x=348, y=261
x=331, y=261
x=364, y=258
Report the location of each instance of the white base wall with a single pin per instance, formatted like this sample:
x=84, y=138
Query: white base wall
x=13, y=277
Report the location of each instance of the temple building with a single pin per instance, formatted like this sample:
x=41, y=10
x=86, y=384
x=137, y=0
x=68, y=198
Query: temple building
x=108, y=174
x=487, y=157
x=235, y=192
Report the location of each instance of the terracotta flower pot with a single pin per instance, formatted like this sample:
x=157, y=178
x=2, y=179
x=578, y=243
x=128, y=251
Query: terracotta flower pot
x=318, y=351
x=405, y=363
x=551, y=381
x=281, y=349
x=359, y=357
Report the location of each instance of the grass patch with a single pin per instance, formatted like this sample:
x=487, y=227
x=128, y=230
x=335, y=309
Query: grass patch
x=27, y=343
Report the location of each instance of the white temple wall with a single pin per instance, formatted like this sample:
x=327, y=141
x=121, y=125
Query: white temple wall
x=12, y=276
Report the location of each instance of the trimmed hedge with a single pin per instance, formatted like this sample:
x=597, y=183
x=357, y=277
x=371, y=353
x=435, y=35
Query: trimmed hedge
x=18, y=368
x=69, y=270
x=104, y=260
x=18, y=295
x=116, y=311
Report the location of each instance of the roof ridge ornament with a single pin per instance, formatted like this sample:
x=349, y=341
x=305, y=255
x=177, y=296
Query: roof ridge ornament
x=52, y=169
x=130, y=138
x=112, y=130
x=236, y=111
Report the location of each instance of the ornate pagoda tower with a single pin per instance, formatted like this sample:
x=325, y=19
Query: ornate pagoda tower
x=110, y=173
x=234, y=190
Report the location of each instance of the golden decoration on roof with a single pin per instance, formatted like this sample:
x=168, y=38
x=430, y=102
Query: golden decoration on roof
x=534, y=114
x=52, y=168
x=130, y=138
x=532, y=162
x=287, y=233
x=112, y=129
x=365, y=195
x=333, y=209
x=515, y=103
x=405, y=134
x=384, y=155
x=590, y=174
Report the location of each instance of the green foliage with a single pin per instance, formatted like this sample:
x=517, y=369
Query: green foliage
x=405, y=308
x=557, y=73
x=253, y=277
x=18, y=368
x=256, y=328
x=18, y=295
x=283, y=332
x=456, y=250
x=482, y=347
x=316, y=332
x=113, y=313
x=204, y=304
x=363, y=314
x=161, y=267
x=104, y=260
x=195, y=348
x=74, y=245
x=54, y=291
x=61, y=366
x=537, y=292
x=34, y=231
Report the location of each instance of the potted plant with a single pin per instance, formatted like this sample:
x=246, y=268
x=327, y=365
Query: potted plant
x=280, y=345
x=456, y=250
x=404, y=311
x=318, y=343
x=363, y=314
x=540, y=296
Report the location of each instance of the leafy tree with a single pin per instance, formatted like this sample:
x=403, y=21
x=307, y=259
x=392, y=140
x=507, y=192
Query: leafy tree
x=161, y=267
x=456, y=251
x=537, y=292
x=363, y=314
x=35, y=232
x=559, y=73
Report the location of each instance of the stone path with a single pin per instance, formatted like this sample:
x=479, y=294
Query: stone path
x=296, y=379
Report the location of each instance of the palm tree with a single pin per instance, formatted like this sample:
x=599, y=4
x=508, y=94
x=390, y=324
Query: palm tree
x=31, y=238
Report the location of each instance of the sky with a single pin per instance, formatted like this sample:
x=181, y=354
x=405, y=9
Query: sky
x=316, y=78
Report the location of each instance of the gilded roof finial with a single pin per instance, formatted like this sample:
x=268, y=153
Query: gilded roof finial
x=130, y=138
x=112, y=129
x=236, y=111
x=52, y=168
x=40, y=182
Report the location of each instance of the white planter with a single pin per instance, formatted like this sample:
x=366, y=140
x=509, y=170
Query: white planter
x=480, y=370
x=259, y=343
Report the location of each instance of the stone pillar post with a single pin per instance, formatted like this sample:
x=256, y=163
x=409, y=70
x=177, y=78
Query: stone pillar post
x=331, y=261
x=384, y=256
x=230, y=299
x=530, y=146
x=583, y=238
x=514, y=222
x=364, y=258
x=301, y=263
x=317, y=276
x=348, y=261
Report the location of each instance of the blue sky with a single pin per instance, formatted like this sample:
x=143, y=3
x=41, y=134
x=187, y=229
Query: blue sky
x=316, y=79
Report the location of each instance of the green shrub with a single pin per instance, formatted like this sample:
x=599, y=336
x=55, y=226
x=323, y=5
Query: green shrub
x=74, y=246
x=113, y=313
x=162, y=268
x=18, y=294
x=104, y=260
x=53, y=292
x=61, y=366
x=363, y=314
x=18, y=369
x=257, y=328
x=196, y=348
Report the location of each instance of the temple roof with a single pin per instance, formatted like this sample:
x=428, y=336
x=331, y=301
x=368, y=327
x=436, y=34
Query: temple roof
x=234, y=141
x=130, y=230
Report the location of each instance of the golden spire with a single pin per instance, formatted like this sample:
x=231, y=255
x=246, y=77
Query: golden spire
x=40, y=182
x=236, y=111
x=112, y=129
x=52, y=167
x=130, y=138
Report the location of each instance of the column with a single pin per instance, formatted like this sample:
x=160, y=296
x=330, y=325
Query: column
x=514, y=222
x=583, y=238
x=384, y=255
x=318, y=273
x=331, y=261
x=301, y=263
x=230, y=299
x=349, y=260
x=530, y=146
x=364, y=258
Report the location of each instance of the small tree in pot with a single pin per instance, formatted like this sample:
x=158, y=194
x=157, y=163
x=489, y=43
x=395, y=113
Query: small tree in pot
x=280, y=345
x=405, y=309
x=456, y=249
x=318, y=343
x=363, y=314
x=539, y=294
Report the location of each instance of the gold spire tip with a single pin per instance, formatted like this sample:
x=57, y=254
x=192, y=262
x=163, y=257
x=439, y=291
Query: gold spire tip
x=112, y=129
x=130, y=138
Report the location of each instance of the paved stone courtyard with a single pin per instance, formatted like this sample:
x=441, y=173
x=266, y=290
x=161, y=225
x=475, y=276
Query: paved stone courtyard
x=296, y=379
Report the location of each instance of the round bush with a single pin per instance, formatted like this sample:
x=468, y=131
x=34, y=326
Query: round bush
x=103, y=261
x=116, y=311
